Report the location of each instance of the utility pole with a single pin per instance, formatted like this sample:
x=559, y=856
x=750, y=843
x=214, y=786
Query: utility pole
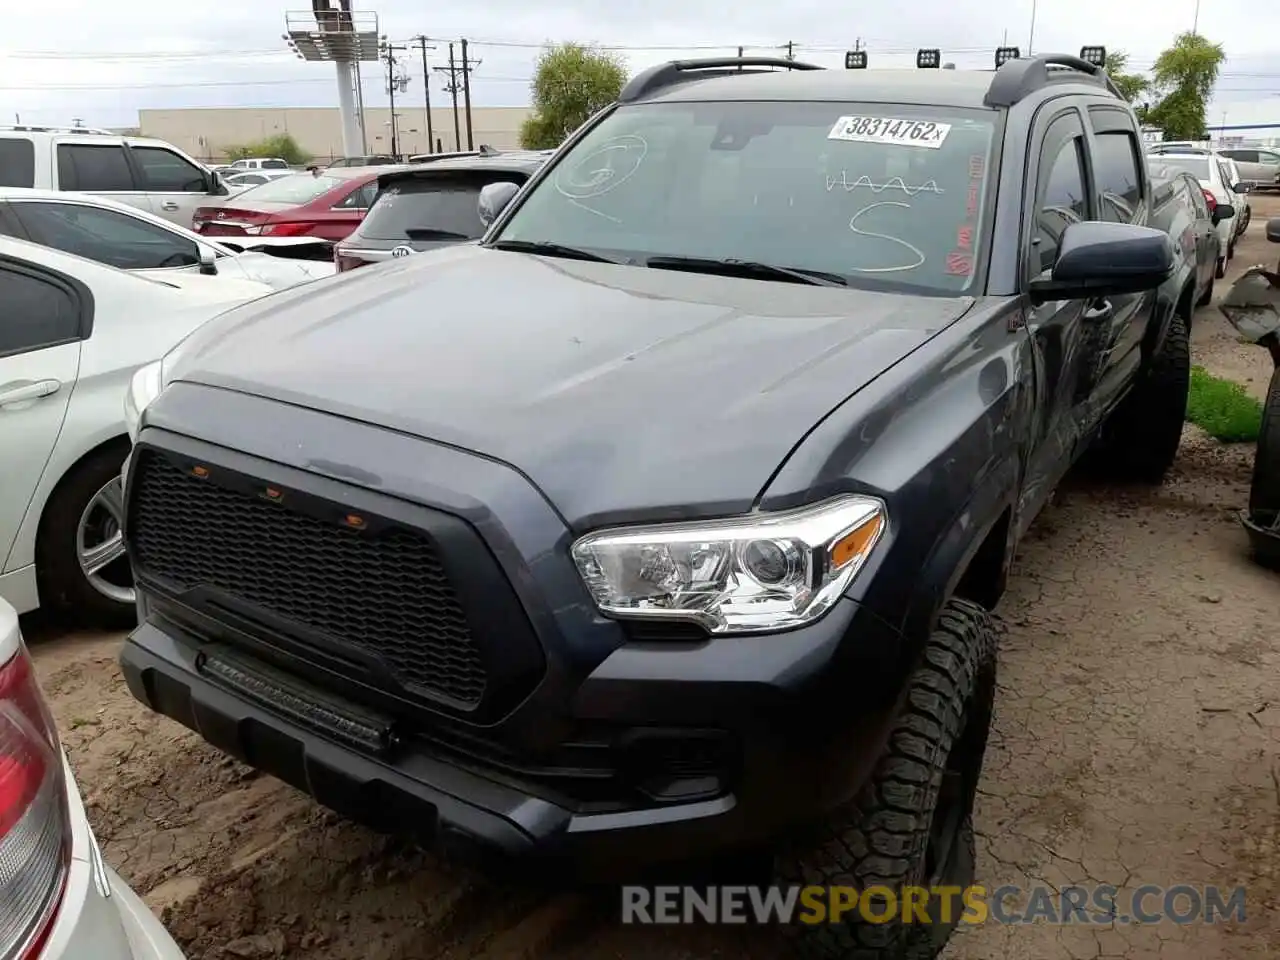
x=389, y=51
x=453, y=87
x=426, y=92
x=791, y=49
x=467, y=66
x=1195, y=21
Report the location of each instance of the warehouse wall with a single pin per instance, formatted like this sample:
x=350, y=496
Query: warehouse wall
x=206, y=133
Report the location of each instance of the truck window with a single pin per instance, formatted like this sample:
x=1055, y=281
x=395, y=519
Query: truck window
x=1115, y=166
x=274, y=165
x=166, y=172
x=96, y=168
x=1063, y=201
x=17, y=162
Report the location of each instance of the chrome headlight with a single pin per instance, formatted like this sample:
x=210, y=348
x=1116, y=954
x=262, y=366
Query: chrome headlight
x=765, y=571
x=143, y=388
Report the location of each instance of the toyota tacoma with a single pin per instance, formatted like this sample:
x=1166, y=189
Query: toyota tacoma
x=665, y=522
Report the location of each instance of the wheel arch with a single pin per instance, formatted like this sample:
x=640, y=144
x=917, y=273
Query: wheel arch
x=120, y=440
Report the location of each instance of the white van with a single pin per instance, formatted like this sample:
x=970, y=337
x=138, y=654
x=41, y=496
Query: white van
x=148, y=174
x=260, y=163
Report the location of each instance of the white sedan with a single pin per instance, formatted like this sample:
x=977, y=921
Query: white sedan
x=72, y=333
x=58, y=899
x=131, y=239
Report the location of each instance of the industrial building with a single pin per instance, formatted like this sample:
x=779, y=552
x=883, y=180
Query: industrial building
x=208, y=133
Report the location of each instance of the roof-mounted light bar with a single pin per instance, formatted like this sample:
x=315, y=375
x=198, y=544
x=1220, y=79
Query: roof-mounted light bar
x=1005, y=54
x=1094, y=55
x=855, y=60
x=929, y=58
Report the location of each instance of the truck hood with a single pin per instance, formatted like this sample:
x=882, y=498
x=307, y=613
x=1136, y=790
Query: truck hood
x=621, y=392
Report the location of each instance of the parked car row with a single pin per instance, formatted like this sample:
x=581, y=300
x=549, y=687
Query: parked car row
x=1221, y=186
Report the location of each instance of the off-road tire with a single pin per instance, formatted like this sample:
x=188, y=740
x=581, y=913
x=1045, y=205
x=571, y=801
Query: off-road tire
x=64, y=590
x=1141, y=439
x=881, y=839
x=1231, y=250
x=1220, y=270
x=1264, y=492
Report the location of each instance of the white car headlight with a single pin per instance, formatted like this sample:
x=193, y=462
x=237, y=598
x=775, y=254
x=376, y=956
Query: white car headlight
x=765, y=571
x=143, y=388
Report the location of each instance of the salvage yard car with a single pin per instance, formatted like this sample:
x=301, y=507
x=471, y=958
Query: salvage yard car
x=131, y=239
x=73, y=333
x=58, y=899
x=327, y=205
x=426, y=206
x=149, y=174
x=683, y=540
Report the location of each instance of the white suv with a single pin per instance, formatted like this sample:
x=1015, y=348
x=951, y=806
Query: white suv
x=149, y=174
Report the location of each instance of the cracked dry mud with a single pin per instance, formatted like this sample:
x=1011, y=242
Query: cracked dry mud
x=1135, y=742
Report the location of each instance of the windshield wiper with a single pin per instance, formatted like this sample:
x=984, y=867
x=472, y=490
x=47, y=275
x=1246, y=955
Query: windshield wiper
x=747, y=268
x=549, y=250
x=431, y=233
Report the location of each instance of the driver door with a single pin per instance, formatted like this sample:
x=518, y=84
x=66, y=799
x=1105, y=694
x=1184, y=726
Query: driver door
x=1058, y=329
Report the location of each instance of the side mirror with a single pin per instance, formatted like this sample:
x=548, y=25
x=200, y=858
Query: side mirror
x=494, y=198
x=1100, y=259
x=208, y=261
x=1223, y=211
x=1242, y=186
x=216, y=187
x=1273, y=229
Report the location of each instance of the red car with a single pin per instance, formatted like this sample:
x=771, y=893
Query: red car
x=328, y=206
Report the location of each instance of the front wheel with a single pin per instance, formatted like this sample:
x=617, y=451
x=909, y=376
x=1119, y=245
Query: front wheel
x=1220, y=270
x=1141, y=439
x=80, y=555
x=1264, y=492
x=912, y=824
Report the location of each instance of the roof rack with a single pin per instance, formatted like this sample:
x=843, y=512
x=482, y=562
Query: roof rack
x=1017, y=79
x=665, y=75
x=29, y=128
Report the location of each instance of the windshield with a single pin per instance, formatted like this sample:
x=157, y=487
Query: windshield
x=408, y=208
x=298, y=188
x=879, y=195
x=1198, y=167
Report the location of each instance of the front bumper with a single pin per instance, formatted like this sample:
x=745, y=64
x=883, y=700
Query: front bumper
x=803, y=747
x=611, y=746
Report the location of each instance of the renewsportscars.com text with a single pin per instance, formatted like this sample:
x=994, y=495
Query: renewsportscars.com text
x=1101, y=904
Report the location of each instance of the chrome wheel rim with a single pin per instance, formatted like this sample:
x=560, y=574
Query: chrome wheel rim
x=100, y=544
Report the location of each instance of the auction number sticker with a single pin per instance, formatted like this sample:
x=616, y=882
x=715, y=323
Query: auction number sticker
x=903, y=133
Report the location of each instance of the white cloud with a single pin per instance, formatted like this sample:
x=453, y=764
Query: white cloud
x=64, y=59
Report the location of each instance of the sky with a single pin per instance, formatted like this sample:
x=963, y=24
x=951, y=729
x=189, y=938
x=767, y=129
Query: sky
x=99, y=63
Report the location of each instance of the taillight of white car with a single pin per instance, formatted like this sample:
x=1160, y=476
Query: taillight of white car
x=35, y=828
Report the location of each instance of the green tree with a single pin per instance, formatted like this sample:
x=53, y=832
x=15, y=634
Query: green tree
x=281, y=145
x=1183, y=80
x=571, y=83
x=1130, y=85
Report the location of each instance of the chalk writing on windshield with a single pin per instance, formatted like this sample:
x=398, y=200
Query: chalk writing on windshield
x=601, y=170
x=893, y=183
x=912, y=249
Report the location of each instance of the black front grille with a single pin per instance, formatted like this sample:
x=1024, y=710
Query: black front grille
x=383, y=593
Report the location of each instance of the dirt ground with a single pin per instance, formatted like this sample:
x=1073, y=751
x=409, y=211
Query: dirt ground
x=1136, y=738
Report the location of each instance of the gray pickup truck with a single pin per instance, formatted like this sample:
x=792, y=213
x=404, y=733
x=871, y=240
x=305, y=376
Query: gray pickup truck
x=665, y=522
